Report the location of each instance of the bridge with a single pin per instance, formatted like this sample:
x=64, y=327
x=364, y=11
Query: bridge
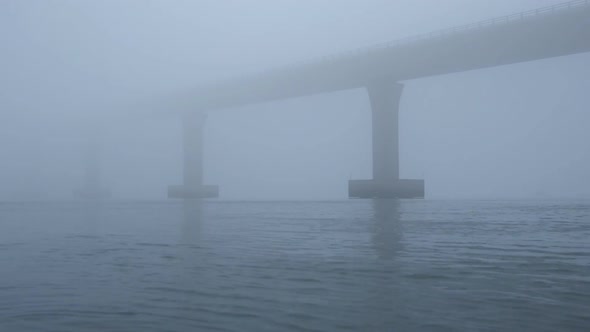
x=554, y=31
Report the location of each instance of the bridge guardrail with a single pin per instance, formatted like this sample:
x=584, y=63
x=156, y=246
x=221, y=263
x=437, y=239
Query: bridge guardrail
x=437, y=34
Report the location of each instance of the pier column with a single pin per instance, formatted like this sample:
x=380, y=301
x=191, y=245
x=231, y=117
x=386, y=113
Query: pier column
x=92, y=186
x=385, y=97
x=193, y=140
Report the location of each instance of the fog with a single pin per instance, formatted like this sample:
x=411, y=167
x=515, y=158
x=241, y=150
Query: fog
x=73, y=70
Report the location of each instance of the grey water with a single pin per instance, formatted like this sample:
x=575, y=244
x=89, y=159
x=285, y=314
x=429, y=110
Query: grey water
x=382, y=265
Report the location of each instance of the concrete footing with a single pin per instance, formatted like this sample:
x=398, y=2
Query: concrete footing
x=183, y=192
x=390, y=189
x=92, y=193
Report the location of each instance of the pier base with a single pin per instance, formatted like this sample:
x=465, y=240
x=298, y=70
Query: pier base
x=92, y=193
x=183, y=192
x=390, y=189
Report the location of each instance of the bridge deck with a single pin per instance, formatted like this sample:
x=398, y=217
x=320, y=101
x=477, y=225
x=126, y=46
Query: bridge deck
x=554, y=31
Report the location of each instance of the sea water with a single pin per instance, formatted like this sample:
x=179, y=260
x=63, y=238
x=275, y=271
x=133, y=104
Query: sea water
x=355, y=265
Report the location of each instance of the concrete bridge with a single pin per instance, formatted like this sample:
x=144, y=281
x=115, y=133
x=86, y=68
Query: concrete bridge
x=554, y=31
x=542, y=33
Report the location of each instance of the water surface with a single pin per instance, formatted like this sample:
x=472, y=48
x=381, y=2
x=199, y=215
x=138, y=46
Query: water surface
x=358, y=265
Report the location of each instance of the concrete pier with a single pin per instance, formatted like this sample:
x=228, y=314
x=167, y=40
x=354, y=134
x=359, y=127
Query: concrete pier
x=385, y=97
x=92, y=187
x=193, y=141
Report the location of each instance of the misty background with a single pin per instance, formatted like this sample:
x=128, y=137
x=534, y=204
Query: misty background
x=518, y=131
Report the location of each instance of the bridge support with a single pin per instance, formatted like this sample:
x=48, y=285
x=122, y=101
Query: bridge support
x=92, y=187
x=385, y=97
x=192, y=136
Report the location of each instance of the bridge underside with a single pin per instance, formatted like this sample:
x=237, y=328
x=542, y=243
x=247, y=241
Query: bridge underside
x=498, y=42
x=384, y=97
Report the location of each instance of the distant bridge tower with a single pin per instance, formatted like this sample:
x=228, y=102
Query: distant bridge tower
x=193, y=141
x=92, y=186
x=385, y=97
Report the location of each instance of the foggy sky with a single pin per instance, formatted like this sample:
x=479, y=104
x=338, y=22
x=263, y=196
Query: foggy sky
x=515, y=131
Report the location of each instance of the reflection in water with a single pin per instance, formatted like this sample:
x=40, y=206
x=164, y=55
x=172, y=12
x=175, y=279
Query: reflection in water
x=188, y=268
x=384, y=298
x=192, y=222
x=93, y=214
x=387, y=231
x=294, y=266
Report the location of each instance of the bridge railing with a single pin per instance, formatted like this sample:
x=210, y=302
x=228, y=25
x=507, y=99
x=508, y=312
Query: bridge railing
x=439, y=33
x=486, y=23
